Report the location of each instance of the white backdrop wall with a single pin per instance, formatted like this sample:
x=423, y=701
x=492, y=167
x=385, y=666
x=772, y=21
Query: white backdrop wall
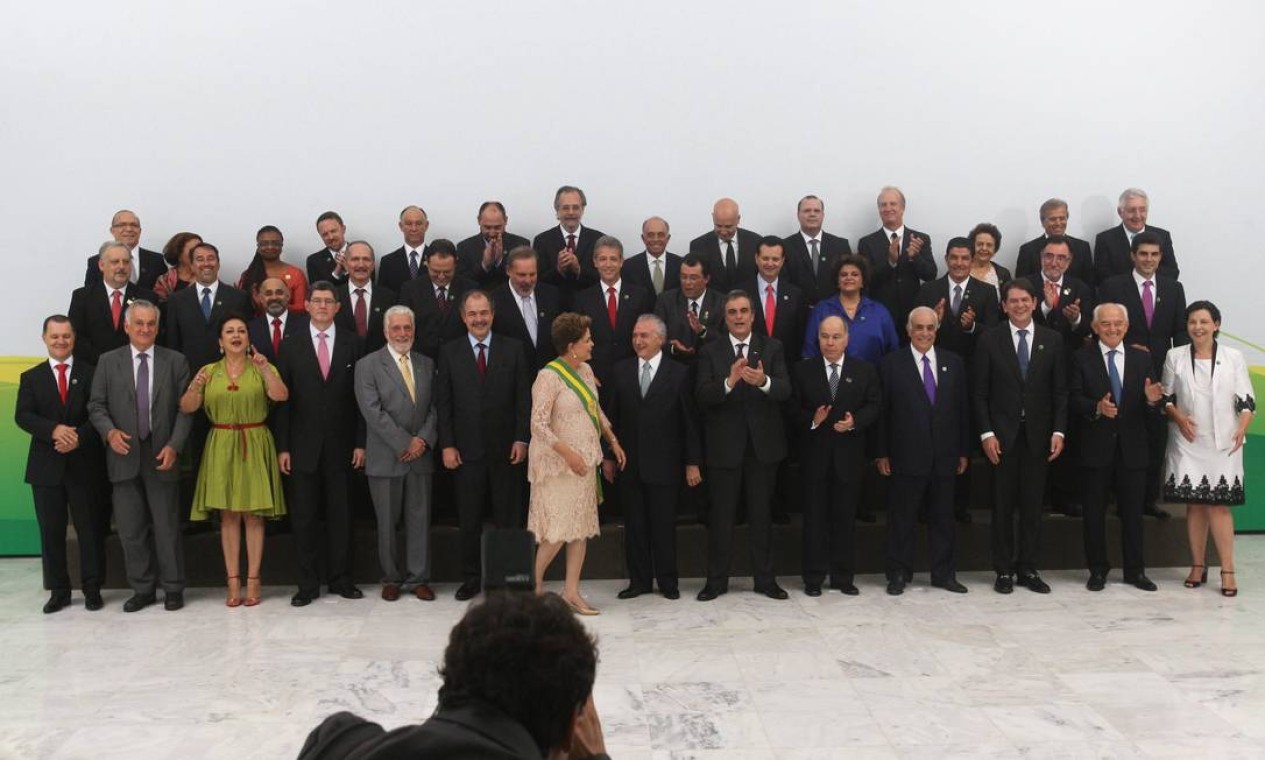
x=221, y=117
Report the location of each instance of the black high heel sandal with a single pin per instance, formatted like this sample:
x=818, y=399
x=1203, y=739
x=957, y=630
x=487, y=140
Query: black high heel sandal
x=1203, y=578
x=1228, y=591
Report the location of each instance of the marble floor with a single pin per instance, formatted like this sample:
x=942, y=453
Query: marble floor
x=1123, y=673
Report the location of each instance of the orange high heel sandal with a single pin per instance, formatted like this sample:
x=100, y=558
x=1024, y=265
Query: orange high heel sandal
x=234, y=591
x=252, y=592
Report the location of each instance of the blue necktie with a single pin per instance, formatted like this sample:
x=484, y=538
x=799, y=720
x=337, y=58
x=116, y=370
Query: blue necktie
x=412, y=265
x=206, y=304
x=1023, y=354
x=1117, y=387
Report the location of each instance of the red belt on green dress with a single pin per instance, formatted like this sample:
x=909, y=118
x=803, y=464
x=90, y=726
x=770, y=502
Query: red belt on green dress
x=241, y=428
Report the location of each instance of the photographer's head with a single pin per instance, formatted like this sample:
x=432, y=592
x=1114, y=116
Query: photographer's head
x=526, y=655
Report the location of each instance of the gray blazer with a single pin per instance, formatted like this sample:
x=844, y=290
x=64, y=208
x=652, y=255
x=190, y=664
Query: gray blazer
x=391, y=417
x=112, y=404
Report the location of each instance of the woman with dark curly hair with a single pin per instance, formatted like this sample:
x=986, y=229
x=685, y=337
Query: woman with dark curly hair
x=1210, y=406
x=985, y=242
x=870, y=328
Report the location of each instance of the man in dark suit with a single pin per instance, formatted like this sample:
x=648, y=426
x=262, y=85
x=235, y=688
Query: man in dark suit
x=693, y=312
x=147, y=266
x=836, y=401
x=728, y=249
x=320, y=439
x=565, y=252
x=1019, y=394
x=966, y=308
x=1113, y=390
x=96, y=310
x=742, y=382
x=268, y=330
x=1065, y=307
x=481, y=257
x=329, y=263
x=527, y=308
x=65, y=465
x=434, y=296
x=612, y=306
x=1054, y=222
x=655, y=269
x=395, y=388
x=778, y=302
x=900, y=258
x=406, y=263
x=193, y=312
x=1157, y=322
x=651, y=409
x=362, y=304
x=484, y=400
x=811, y=252
x=923, y=445
x=134, y=407
x=1113, y=247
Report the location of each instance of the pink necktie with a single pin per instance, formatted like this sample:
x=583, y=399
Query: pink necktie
x=1148, y=302
x=322, y=355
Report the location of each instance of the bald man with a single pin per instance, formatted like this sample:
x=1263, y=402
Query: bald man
x=409, y=260
x=655, y=268
x=268, y=329
x=147, y=266
x=729, y=249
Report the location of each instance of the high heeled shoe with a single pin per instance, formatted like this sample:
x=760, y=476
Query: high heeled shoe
x=581, y=607
x=1203, y=577
x=252, y=591
x=1228, y=591
x=234, y=591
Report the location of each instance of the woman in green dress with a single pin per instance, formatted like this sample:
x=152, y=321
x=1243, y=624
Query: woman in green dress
x=239, y=476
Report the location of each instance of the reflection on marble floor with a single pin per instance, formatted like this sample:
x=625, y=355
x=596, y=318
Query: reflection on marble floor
x=1122, y=673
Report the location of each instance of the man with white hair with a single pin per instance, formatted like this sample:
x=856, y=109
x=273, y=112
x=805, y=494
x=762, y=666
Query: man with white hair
x=1112, y=247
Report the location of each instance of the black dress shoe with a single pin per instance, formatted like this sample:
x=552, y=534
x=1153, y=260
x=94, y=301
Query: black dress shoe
x=1156, y=512
x=962, y=516
x=173, y=600
x=1096, y=582
x=1004, y=584
x=92, y=600
x=1033, y=582
x=896, y=586
x=138, y=602
x=347, y=591
x=632, y=592
x=468, y=590
x=1071, y=509
x=1140, y=581
x=710, y=592
x=950, y=584
x=671, y=592
x=57, y=601
x=302, y=598
x=866, y=517
x=812, y=589
x=847, y=588
x=772, y=591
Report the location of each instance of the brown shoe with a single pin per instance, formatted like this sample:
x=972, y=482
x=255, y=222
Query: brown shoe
x=423, y=592
x=390, y=592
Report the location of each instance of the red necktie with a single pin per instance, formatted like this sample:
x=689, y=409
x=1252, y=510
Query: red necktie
x=612, y=308
x=442, y=297
x=116, y=308
x=62, y=388
x=359, y=312
x=481, y=361
x=276, y=335
x=770, y=308
x=571, y=243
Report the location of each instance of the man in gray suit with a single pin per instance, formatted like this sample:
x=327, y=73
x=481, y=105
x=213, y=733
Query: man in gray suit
x=134, y=407
x=395, y=390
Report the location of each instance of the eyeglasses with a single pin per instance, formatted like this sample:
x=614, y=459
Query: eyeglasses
x=129, y=225
x=1060, y=259
x=322, y=301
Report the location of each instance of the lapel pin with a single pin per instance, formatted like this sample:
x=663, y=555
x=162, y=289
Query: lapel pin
x=624, y=297
x=1067, y=291
x=1040, y=346
x=847, y=379
x=74, y=381
x=944, y=369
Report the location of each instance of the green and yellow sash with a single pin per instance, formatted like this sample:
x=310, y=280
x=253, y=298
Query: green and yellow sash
x=587, y=399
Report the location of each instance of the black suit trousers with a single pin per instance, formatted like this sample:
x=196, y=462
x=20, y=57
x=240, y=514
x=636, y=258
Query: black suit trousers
x=474, y=482
x=1018, y=485
x=326, y=487
x=906, y=494
x=1156, y=443
x=1129, y=487
x=727, y=484
x=649, y=531
x=55, y=507
x=830, y=511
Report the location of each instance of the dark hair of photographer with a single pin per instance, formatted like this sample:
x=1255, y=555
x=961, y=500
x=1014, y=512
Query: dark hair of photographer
x=536, y=668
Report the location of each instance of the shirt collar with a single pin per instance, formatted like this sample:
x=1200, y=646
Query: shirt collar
x=474, y=342
x=1104, y=348
x=618, y=285
x=109, y=290
x=368, y=288
x=329, y=331
x=810, y=238
x=900, y=232
x=395, y=356
x=826, y=362
x=1014, y=331
x=745, y=341
x=1139, y=279
x=763, y=284
x=578, y=229
x=652, y=361
x=215, y=290
x=931, y=354
x=283, y=316
x=70, y=363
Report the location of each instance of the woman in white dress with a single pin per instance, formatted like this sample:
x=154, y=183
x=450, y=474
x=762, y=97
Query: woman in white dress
x=1210, y=406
